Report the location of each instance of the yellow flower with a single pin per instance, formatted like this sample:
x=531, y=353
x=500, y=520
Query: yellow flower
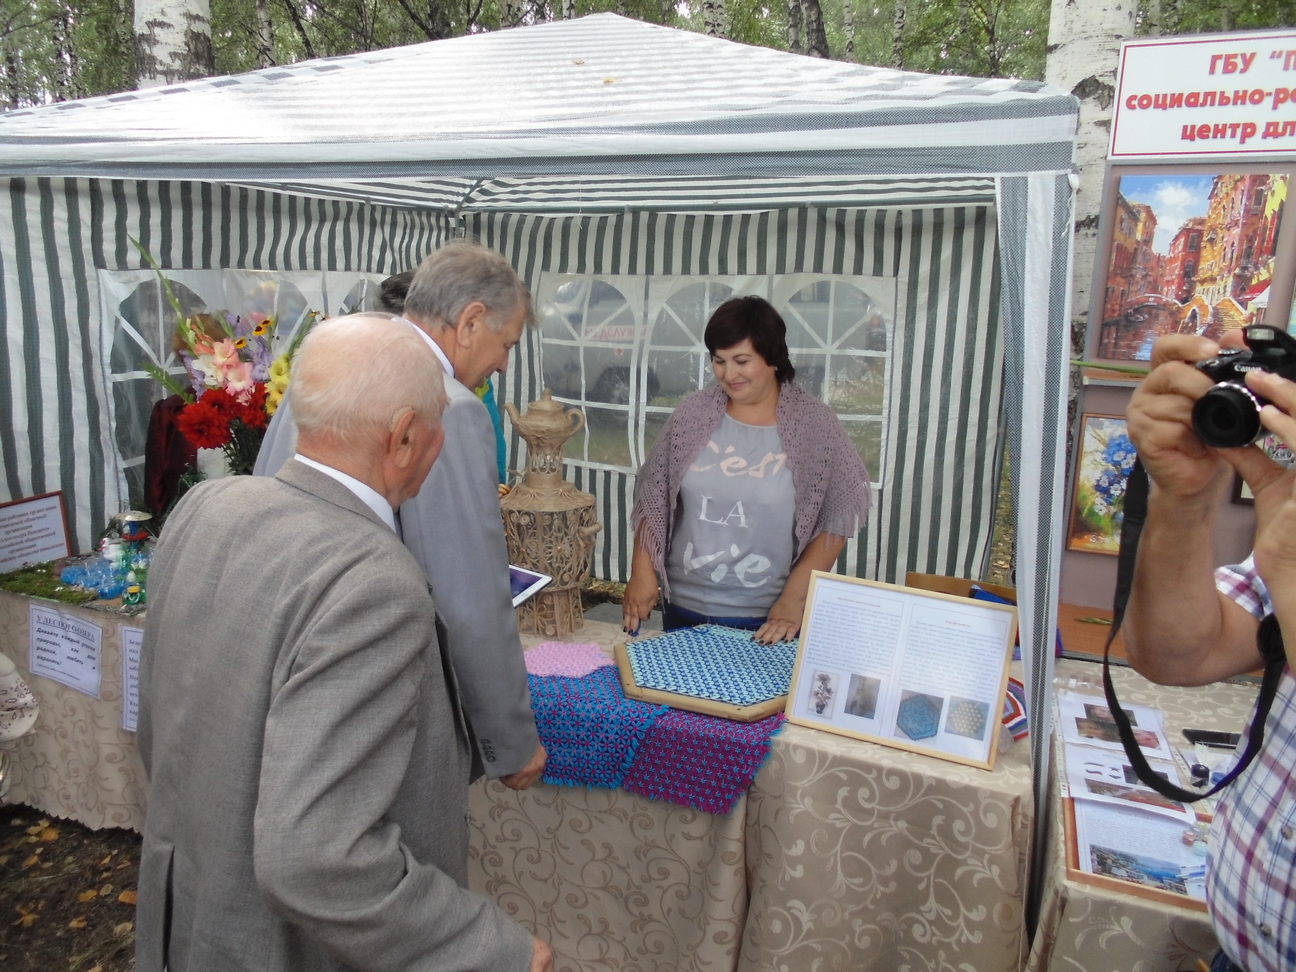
x=279, y=369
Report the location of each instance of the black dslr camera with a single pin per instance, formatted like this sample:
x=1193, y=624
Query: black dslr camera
x=1228, y=415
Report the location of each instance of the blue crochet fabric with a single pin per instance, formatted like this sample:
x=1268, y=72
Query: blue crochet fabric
x=590, y=729
x=713, y=662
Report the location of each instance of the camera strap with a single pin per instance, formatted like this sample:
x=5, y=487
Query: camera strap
x=1268, y=640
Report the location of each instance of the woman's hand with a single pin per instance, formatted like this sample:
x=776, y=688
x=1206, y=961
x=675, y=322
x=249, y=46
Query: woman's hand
x=783, y=621
x=640, y=591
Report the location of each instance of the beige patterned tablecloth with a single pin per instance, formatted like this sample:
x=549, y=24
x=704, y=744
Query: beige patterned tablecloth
x=1084, y=928
x=855, y=857
x=78, y=763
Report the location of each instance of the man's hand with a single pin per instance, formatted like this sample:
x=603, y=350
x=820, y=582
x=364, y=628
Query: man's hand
x=1160, y=419
x=529, y=773
x=541, y=957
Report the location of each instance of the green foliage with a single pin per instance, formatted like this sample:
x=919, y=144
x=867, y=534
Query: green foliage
x=1215, y=16
x=56, y=51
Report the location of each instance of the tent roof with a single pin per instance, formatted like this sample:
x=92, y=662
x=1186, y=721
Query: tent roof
x=562, y=97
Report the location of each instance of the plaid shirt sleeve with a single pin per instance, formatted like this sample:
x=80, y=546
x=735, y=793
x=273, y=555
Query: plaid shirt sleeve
x=1242, y=584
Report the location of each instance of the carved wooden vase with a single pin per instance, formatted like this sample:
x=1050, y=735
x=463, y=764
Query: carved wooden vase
x=549, y=523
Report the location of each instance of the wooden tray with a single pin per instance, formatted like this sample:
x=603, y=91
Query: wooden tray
x=691, y=703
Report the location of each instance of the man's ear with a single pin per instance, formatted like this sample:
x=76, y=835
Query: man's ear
x=471, y=319
x=400, y=439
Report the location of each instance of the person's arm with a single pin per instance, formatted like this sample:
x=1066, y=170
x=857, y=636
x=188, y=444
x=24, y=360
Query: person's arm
x=1179, y=629
x=640, y=595
x=455, y=531
x=784, y=618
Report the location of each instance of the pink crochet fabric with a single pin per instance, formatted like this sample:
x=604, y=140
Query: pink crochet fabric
x=700, y=761
x=832, y=485
x=569, y=661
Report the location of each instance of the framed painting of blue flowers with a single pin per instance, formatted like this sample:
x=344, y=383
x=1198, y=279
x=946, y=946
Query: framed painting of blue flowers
x=1106, y=456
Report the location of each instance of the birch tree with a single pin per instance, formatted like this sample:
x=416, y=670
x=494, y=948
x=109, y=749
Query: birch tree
x=1084, y=44
x=897, y=34
x=848, y=28
x=816, y=38
x=173, y=41
x=794, y=27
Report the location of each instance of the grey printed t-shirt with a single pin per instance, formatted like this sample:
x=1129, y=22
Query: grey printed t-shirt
x=732, y=542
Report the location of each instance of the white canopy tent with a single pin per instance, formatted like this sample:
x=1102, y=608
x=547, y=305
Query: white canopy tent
x=601, y=155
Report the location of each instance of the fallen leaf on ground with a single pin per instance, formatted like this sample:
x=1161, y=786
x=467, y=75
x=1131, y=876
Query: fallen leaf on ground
x=90, y=895
x=125, y=928
x=77, y=923
x=128, y=897
x=31, y=861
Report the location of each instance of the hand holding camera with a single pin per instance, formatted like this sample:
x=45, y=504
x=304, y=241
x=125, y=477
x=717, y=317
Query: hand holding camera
x=1228, y=415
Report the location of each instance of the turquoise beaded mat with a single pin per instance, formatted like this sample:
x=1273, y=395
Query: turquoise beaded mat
x=713, y=662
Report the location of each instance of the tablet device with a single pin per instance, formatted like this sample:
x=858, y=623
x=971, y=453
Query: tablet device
x=525, y=582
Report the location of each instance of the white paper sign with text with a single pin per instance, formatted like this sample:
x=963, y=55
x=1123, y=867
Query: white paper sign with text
x=131, y=639
x=1215, y=94
x=66, y=649
x=32, y=531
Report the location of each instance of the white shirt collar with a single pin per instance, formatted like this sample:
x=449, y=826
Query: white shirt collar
x=436, y=348
x=363, y=491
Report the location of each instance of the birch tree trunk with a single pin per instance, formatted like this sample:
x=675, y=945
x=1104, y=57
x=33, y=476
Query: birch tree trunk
x=1084, y=45
x=511, y=13
x=714, y=23
x=816, y=38
x=848, y=14
x=172, y=41
x=897, y=34
x=794, y=27
x=264, y=35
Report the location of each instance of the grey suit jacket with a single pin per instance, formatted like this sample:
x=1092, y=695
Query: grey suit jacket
x=455, y=531
x=307, y=757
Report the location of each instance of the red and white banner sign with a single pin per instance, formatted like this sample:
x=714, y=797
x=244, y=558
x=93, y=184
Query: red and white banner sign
x=1212, y=94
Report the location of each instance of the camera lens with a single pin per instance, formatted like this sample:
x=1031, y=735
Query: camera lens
x=1227, y=416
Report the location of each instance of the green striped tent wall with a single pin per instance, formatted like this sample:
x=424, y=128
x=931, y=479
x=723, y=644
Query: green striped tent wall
x=935, y=509
x=55, y=429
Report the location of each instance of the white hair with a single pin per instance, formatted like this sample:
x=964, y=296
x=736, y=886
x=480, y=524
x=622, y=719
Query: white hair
x=355, y=375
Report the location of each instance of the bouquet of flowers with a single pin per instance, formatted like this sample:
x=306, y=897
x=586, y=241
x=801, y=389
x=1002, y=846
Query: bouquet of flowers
x=235, y=382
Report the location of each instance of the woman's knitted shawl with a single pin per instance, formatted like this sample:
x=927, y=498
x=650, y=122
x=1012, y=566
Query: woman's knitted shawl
x=831, y=483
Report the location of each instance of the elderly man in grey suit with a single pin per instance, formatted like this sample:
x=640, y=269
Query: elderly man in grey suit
x=307, y=756
x=470, y=307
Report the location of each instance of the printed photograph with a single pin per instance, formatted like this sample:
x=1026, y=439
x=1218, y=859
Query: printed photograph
x=1190, y=254
x=1147, y=871
x=862, y=696
x=967, y=717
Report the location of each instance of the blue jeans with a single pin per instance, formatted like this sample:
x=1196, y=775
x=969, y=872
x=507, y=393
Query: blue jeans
x=1222, y=963
x=674, y=616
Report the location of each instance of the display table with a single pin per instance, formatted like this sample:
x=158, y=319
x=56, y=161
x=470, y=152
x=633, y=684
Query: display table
x=1083, y=927
x=78, y=763
x=853, y=855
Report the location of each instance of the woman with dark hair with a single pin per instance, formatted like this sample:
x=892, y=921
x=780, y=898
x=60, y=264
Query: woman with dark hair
x=751, y=485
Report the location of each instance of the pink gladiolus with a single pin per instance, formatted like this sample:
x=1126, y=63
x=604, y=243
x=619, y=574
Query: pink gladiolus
x=238, y=380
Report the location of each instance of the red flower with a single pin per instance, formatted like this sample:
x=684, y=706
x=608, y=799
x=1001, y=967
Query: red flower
x=221, y=401
x=253, y=412
x=204, y=425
